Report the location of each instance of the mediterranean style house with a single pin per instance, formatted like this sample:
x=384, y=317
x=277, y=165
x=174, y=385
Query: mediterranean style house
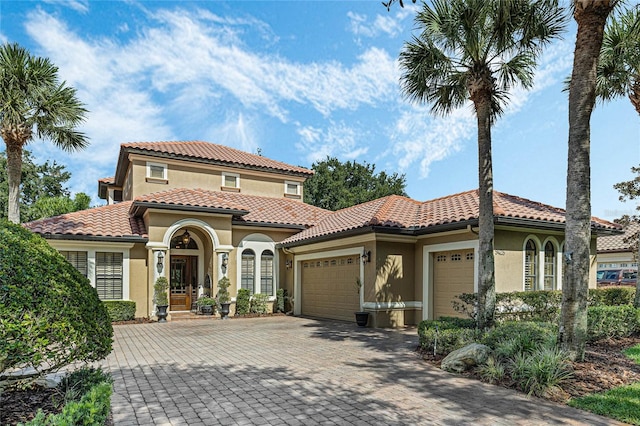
x=196, y=212
x=617, y=251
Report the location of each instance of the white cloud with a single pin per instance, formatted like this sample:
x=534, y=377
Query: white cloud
x=237, y=131
x=390, y=23
x=338, y=140
x=81, y=6
x=418, y=137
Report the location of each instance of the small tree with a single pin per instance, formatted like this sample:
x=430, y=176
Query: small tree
x=160, y=296
x=50, y=316
x=223, y=291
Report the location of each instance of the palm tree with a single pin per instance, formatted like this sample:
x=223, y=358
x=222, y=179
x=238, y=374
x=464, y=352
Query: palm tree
x=591, y=16
x=478, y=50
x=618, y=74
x=34, y=104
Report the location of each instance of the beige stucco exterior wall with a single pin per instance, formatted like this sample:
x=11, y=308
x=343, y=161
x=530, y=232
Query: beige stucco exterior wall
x=140, y=288
x=192, y=175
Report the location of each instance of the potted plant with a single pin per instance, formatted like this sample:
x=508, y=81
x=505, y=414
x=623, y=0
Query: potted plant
x=224, y=300
x=362, y=317
x=160, y=298
x=206, y=305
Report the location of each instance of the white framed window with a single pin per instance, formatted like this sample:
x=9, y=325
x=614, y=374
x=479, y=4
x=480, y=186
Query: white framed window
x=78, y=259
x=230, y=180
x=109, y=275
x=292, y=188
x=530, y=265
x=156, y=171
x=257, y=264
x=550, y=264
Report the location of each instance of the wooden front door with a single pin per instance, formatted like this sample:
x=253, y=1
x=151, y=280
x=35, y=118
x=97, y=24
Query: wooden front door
x=184, y=276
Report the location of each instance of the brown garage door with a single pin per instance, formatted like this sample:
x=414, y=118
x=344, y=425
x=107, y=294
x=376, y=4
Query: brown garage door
x=328, y=287
x=452, y=275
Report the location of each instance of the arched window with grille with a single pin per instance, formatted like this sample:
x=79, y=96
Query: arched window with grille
x=530, y=265
x=549, y=266
x=247, y=270
x=266, y=273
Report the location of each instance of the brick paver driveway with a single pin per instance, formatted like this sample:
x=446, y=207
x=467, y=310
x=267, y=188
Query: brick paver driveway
x=285, y=370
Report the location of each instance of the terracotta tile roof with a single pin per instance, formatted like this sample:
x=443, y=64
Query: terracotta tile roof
x=108, y=180
x=106, y=221
x=246, y=208
x=402, y=212
x=213, y=152
x=615, y=243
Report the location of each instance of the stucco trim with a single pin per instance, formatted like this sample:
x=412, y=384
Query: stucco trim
x=380, y=306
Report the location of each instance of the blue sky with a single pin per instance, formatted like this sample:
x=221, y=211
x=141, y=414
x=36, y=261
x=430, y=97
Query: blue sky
x=300, y=80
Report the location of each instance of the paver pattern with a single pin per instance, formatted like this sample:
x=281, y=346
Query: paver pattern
x=299, y=371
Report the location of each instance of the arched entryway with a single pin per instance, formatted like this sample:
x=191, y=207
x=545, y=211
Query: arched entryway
x=186, y=272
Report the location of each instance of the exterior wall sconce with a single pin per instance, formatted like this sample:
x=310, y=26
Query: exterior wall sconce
x=366, y=256
x=225, y=259
x=186, y=238
x=288, y=263
x=160, y=259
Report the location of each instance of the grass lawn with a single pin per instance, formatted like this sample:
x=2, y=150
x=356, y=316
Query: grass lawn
x=621, y=403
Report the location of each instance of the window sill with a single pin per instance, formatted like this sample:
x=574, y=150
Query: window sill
x=156, y=180
x=292, y=196
x=229, y=189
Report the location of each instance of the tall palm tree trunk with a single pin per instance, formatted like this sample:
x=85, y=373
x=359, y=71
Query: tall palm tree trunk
x=486, y=271
x=591, y=17
x=14, y=175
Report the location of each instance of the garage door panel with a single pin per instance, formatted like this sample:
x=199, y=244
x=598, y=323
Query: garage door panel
x=453, y=274
x=328, y=290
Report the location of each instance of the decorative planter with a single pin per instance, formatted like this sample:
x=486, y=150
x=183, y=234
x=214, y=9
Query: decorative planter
x=224, y=310
x=206, y=310
x=362, y=318
x=162, y=313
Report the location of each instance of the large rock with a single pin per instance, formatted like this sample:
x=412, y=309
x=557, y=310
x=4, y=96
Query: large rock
x=465, y=358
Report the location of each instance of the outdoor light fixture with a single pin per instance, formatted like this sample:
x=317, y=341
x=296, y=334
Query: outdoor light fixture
x=288, y=264
x=366, y=256
x=186, y=238
x=225, y=259
x=160, y=259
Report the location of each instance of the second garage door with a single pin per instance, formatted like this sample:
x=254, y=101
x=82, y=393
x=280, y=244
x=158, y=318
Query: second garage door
x=452, y=275
x=328, y=287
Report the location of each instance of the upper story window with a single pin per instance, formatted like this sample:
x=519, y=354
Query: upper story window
x=292, y=188
x=230, y=181
x=156, y=172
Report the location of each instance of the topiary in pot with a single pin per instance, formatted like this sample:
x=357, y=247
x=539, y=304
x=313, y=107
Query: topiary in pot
x=223, y=296
x=160, y=298
x=50, y=316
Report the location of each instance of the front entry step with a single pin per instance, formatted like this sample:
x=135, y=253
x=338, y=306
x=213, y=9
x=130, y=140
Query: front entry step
x=187, y=316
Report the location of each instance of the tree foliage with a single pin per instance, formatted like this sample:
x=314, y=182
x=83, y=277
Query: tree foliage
x=43, y=191
x=337, y=185
x=478, y=50
x=630, y=190
x=50, y=316
x=34, y=104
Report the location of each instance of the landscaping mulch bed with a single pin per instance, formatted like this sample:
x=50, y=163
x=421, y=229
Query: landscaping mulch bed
x=605, y=367
x=20, y=406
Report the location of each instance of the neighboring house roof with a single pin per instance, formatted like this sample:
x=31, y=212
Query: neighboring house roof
x=203, y=152
x=123, y=221
x=404, y=215
x=617, y=243
x=111, y=223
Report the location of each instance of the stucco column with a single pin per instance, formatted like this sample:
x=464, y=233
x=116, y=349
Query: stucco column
x=160, y=261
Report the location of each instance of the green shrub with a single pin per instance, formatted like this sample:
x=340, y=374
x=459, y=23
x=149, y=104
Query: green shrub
x=120, y=310
x=445, y=336
x=513, y=337
x=611, y=296
x=259, y=303
x=242, y=301
x=612, y=321
x=539, y=306
x=493, y=371
x=92, y=409
x=541, y=370
x=280, y=295
x=223, y=291
x=75, y=385
x=160, y=296
x=50, y=316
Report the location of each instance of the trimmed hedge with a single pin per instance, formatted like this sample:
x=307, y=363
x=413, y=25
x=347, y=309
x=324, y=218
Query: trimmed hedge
x=611, y=296
x=259, y=303
x=521, y=336
x=612, y=321
x=447, y=335
x=120, y=310
x=243, y=301
x=50, y=316
x=280, y=296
